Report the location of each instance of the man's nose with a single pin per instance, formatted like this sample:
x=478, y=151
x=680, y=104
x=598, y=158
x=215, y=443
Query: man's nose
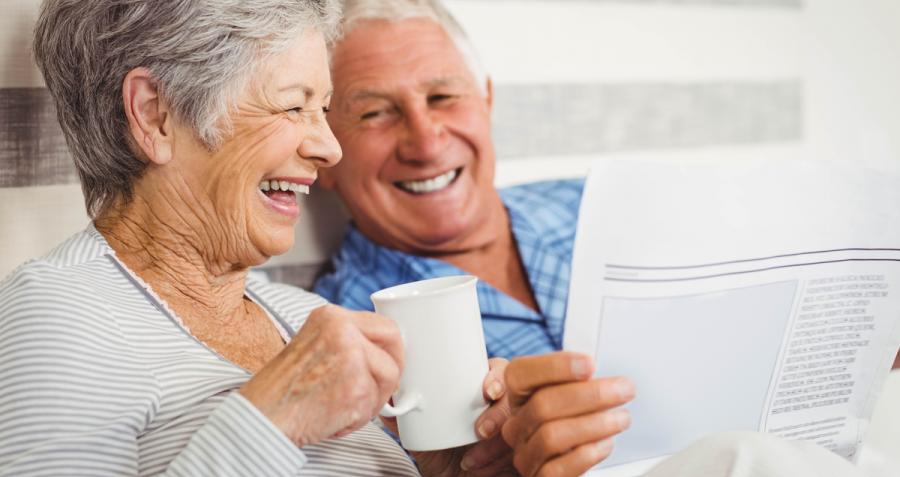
x=424, y=136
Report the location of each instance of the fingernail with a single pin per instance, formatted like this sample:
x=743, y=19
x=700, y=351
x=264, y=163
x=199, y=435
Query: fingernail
x=625, y=389
x=466, y=463
x=621, y=418
x=494, y=390
x=604, y=446
x=486, y=429
x=581, y=367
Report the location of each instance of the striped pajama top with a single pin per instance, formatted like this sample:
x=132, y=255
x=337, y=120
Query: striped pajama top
x=98, y=377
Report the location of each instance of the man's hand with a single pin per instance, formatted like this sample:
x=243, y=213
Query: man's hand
x=487, y=458
x=562, y=420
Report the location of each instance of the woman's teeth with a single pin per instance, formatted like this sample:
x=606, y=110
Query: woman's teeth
x=285, y=186
x=429, y=185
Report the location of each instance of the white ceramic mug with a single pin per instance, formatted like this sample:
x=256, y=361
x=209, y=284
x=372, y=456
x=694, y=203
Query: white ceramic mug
x=441, y=388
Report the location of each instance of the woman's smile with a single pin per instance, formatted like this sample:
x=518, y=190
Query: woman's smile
x=282, y=194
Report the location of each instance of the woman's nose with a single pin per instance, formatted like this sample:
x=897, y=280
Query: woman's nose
x=320, y=145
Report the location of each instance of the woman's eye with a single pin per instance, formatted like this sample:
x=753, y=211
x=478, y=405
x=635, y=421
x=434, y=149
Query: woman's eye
x=298, y=111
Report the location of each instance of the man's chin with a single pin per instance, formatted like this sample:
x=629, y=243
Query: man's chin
x=444, y=240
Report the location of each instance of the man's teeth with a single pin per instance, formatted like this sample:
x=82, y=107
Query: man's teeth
x=430, y=185
x=285, y=186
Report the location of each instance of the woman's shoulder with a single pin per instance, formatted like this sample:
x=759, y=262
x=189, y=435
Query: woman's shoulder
x=51, y=302
x=291, y=303
x=66, y=265
x=58, y=330
x=65, y=261
x=58, y=294
x=65, y=359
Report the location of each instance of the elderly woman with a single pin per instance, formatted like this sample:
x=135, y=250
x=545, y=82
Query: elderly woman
x=141, y=345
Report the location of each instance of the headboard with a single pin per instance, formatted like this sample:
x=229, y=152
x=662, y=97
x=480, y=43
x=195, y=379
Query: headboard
x=573, y=80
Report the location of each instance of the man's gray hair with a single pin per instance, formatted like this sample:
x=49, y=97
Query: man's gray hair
x=202, y=55
x=356, y=11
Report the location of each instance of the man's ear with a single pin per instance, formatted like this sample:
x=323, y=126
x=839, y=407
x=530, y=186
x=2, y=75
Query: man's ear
x=149, y=121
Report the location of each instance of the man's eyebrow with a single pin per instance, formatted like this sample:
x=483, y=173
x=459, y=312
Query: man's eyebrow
x=446, y=81
x=364, y=94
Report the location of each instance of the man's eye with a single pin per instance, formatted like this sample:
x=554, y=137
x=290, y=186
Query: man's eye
x=437, y=98
x=370, y=115
x=296, y=110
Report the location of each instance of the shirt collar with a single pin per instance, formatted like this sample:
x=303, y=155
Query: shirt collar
x=413, y=268
x=538, y=257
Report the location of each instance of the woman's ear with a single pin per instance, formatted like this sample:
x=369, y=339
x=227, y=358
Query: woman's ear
x=149, y=121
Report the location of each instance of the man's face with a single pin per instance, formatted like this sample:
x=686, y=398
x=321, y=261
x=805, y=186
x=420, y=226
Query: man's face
x=414, y=126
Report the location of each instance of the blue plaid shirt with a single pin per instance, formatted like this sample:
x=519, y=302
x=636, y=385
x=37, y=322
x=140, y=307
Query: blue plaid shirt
x=543, y=217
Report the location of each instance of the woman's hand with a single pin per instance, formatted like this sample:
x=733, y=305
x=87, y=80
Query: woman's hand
x=488, y=457
x=562, y=420
x=332, y=378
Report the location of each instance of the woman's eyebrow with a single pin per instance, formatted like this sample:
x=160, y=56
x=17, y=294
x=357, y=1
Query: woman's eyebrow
x=295, y=86
x=308, y=91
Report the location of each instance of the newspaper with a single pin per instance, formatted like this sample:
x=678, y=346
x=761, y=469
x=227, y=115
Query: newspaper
x=751, y=295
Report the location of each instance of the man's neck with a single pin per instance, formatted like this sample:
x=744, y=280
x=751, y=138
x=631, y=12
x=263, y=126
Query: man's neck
x=498, y=263
x=170, y=254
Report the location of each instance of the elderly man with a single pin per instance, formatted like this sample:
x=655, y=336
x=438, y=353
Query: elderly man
x=411, y=110
x=412, y=113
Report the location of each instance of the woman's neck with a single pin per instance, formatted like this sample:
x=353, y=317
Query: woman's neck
x=174, y=253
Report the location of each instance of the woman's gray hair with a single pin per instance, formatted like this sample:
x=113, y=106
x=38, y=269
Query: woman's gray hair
x=202, y=55
x=356, y=11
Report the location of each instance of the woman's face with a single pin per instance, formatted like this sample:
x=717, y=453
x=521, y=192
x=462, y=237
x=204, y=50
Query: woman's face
x=244, y=195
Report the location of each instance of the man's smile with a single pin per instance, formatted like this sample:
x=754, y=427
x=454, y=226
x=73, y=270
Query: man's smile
x=429, y=185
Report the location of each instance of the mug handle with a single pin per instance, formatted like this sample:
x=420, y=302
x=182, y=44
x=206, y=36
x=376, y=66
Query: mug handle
x=409, y=402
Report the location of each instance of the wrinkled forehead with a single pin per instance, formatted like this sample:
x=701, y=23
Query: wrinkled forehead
x=389, y=55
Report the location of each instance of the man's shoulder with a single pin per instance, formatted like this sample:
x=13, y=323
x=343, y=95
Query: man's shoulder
x=348, y=286
x=552, y=193
x=361, y=267
x=354, y=272
x=549, y=208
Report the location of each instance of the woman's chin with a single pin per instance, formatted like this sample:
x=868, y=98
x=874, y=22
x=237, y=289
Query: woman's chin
x=280, y=247
x=271, y=243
